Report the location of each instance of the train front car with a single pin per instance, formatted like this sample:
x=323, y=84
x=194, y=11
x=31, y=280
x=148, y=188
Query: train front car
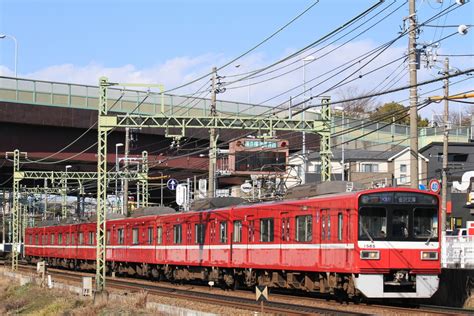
x=398, y=244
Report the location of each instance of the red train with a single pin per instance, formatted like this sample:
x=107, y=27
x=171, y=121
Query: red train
x=380, y=243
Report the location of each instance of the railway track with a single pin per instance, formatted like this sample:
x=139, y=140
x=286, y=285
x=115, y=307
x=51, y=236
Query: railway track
x=276, y=306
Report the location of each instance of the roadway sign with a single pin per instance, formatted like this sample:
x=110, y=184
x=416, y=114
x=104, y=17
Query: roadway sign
x=172, y=184
x=261, y=293
x=434, y=185
x=422, y=187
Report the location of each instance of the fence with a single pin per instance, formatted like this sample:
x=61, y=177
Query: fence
x=458, y=252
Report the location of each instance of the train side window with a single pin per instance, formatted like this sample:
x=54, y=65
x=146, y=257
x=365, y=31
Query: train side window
x=189, y=233
x=340, y=226
x=159, y=235
x=36, y=239
x=150, y=235
x=107, y=238
x=135, y=236
x=323, y=227
x=199, y=233
x=329, y=227
x=213, y=231
x=252, y=231
x=52, y=239
x=177, y=233
x=30, y=242
x=223, y=232
x=73, y=238
x=266, y=230
x=120, y=236
x=237, y=234
x=285, y=229
x=66, y=238
x=91, y=238
x=60, y=239
x=304, y=228
x=81, y=238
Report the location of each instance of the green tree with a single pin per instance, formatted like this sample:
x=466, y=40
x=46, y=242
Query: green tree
x=391, y=111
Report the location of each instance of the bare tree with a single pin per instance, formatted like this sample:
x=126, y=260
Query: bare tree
x=359, y=108
x=457, y=116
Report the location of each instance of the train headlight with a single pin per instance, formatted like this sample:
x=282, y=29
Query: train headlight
x=370, y=254
x=429, y=255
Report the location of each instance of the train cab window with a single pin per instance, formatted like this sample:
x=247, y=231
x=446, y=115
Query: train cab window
x=81, y=238
x=372, y=223
x=60, y=239
x=52, y=239
x=304, y=228
x=340, y=226
x=400, y=223
x=135, y=236
x=251, y=228
x=266, y=230
x=120, y=236
x=199, y=234
x=159, y=235
x=177, y=234
x=237, y=234
x=150, y=235
x=91, y=238
x=223, y=232
x=425, y=223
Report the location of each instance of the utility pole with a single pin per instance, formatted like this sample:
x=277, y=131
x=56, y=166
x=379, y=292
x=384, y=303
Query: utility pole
x=212, y=139
x=444, y=180
x=412, y=64
x=125, y=181
x=4, y=205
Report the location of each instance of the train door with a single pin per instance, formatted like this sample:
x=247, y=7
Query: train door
x=284, y=237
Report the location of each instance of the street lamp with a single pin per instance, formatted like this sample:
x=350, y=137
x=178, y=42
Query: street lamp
x=116, y=175
x=2, y=36
x=309, y=58
x=340, y=108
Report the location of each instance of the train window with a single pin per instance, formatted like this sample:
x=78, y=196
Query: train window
x=237, y=234
x=66, y=238
x=159, y=235
x=30, y=239
x=252, y=231
x=329, y=227
x=400, y=223
x=60, y=239
x=323, y=227
x=81, y=238
x=339, y=226
x=73, y=239
x=120, y=236
x=266, y=230
x=304, y=228
x=150, y=235
x=177, y=233
x=189, y=233
x=52, y=239
x=223, y=232
x=91, y=238
x=372, y=223
x=135, y=236
x=36, y=239
x=213, y=231
x=425, y=223
x=107, y=238
x=199, y=233
x=285, y=229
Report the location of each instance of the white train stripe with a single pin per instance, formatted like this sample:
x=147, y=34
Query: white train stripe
x=379, y=244
x=207, y=247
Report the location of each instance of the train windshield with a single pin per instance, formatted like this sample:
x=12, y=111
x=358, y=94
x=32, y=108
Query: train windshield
x=398, y=216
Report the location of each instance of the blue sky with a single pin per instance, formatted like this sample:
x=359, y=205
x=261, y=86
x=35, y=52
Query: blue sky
x=172, y=42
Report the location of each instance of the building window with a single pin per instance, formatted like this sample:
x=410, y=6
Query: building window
x=120, y=236
x=223, y=232
x=403, y=168
x=91, y=238
x=177, y=234
x=199, y=234
x=135, y=236
x=304, y=228
x=159, y=235
x=403, y=178
x=266, y=230
x=237, y=234
x=369, y=167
